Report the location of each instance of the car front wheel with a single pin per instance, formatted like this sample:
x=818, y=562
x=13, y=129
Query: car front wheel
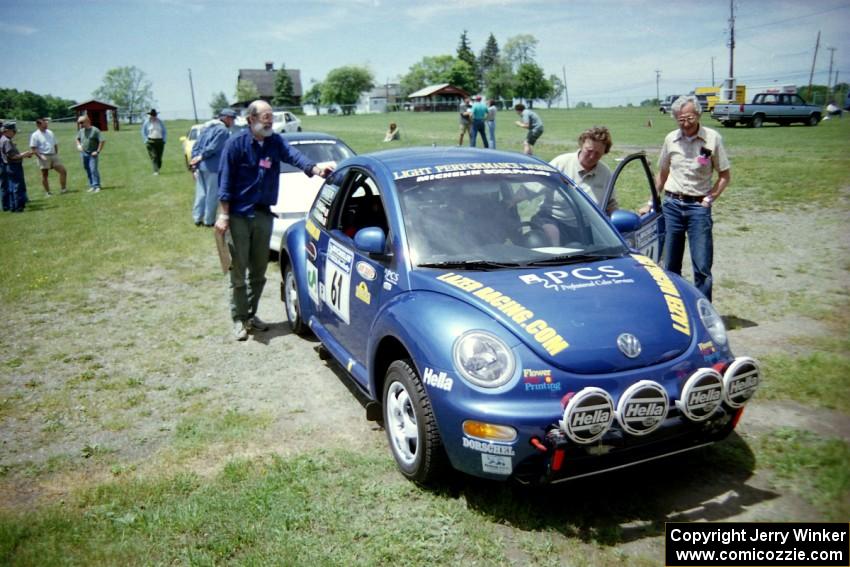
x=290, y=296
x=411, y=426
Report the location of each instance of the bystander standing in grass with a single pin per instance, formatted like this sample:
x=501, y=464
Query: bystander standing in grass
x=249, y=179
x=153, y=134
x=529, y=120
x=479, y=113
x=689, y=157
x=206, y=157
x=490, y=121
x=46, y=150
x=16, y=184
x=90, y=143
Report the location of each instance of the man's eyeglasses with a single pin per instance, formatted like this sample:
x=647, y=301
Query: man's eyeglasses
x=687, y=118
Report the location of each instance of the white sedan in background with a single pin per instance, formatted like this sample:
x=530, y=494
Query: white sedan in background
x=297, y=191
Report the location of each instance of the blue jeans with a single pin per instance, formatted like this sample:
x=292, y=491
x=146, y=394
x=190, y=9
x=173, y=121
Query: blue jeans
x=491, y=128
x=16, y=187
x=477, y=128
x=206, y=197
x=90, y=166
x=694, y=222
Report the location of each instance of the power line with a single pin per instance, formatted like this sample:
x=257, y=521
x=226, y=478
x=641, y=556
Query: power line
x=794, y=18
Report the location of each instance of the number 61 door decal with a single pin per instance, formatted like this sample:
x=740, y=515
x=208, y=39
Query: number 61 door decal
x=338, y=279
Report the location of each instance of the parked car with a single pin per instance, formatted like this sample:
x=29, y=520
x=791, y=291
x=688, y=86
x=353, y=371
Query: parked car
x=188, y=142
x=297, y=191
x=482, y=342
x=780, y=108
x=285, y=121
x=667, y=103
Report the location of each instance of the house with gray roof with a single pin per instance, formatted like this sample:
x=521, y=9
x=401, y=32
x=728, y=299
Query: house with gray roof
x=264, y=79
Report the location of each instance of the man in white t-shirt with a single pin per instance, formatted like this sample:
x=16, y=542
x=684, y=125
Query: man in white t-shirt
x=46, y=150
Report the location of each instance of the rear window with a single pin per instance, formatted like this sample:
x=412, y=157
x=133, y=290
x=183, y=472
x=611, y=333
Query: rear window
x=319, y=151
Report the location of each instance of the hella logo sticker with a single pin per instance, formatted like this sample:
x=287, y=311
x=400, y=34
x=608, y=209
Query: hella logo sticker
x=701, y=395
x=642, y=407
x=740, y=381
x=588, y=415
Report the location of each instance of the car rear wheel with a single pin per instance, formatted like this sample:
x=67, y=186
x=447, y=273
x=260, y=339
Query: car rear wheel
x=410, y=425
x=290, y=296
x=758, y=120
x=813, y=120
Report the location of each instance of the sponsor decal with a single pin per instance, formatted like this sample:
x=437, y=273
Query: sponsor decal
x=538, y=329
x=312, y=229
x=496, y=464
x=642, y=407
x=366, y=271
x=361, y=292
x=488, y=447
x=440, y=381
x=390, y=279
x=350, y=364
x=588, y=277
x=709, y=352
x=701, y=394
x=338, y=279
x=313, y=282
x=588, y=415
x=740, y=381
x=310, y=248
x=675, y=305
x=450, y=170
x=539, y=381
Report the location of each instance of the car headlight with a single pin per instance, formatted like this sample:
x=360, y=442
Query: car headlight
x=483, y=359
x=712, y=321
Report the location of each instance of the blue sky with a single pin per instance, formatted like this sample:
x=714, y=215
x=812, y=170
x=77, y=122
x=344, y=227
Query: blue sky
x=610, y=49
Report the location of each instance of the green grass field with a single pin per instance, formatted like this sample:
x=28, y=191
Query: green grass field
x=194, y=505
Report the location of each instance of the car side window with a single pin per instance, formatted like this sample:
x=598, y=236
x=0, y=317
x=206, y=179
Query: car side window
x=360, y=205
x=322, y=205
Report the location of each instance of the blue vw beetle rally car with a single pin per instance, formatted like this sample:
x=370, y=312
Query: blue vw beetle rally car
x=499, y=323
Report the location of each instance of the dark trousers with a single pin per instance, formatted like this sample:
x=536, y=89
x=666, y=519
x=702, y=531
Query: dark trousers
x=155, y=149
x=478, y=128
x=4, y=186
x=16, y=187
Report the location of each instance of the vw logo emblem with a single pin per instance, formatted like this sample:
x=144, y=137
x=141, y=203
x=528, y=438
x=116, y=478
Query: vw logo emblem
x=629, y=345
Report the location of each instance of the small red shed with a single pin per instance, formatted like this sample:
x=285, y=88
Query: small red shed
x=96, y=111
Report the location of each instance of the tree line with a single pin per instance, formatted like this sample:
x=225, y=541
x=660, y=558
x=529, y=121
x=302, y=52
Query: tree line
x=27, y=105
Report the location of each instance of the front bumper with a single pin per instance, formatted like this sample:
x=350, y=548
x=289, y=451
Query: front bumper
x=589, y=432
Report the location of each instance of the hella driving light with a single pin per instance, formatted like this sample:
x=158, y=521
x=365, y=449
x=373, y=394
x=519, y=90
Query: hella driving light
x=712, y=321
x=483, y=359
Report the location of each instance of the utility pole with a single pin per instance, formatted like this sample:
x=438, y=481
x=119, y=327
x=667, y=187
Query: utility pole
x=829, y=76
x=727, y=93
x=731, y=38
x=812, y=72
x=192, y=88
x=657, y=90
x=712, y=70
x=566, y=91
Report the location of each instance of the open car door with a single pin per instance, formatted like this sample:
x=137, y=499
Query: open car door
x=635, y=189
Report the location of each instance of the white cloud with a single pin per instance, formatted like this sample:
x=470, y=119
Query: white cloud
x=18, y=29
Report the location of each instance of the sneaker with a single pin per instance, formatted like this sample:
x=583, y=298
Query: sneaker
x=64, y=190
x=91, y=190
x=156, y=173
x=240, y=330
x=48, y=194
x=257, y=324
x=198, y=223
x=96, y=190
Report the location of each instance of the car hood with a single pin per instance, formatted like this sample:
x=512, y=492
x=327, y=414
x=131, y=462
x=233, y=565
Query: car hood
x=572, y=316
x=297, y=191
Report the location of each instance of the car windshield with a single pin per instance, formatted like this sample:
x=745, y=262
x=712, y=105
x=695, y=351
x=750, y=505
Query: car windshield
x=502, y=217
x=319, y=151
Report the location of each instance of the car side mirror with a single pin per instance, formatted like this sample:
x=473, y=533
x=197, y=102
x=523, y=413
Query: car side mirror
x=625, y=221
x=371, y=240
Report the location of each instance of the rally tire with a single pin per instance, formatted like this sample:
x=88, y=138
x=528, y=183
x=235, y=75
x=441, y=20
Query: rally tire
x=292, y=303
x=411, y=426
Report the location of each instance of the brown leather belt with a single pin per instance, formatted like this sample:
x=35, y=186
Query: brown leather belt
x=684, y=198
